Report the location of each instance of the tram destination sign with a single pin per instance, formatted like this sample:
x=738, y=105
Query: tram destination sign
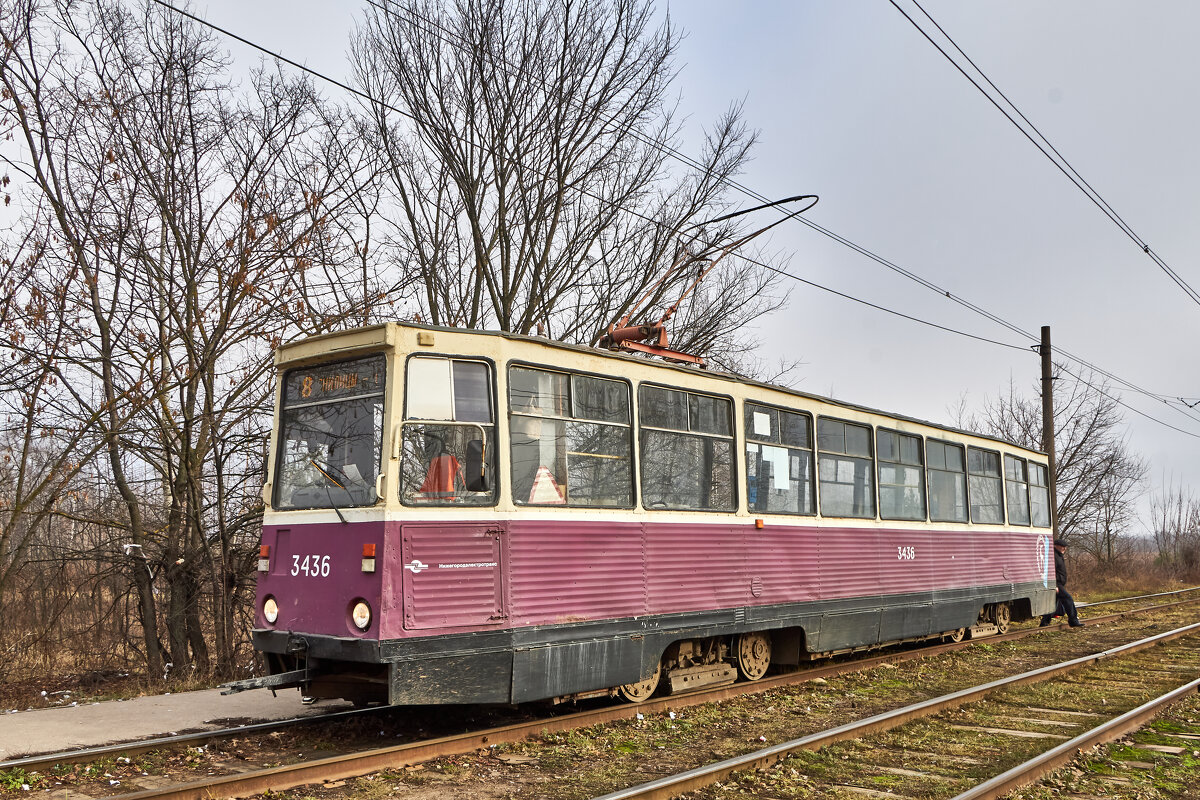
x=334, y=381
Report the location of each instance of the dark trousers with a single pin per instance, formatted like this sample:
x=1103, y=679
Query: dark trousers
x=1065, y=605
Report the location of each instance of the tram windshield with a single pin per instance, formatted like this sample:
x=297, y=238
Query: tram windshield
x=331, y=435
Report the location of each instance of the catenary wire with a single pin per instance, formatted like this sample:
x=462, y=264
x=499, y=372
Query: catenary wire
x=1076, y=178
x=1061, y=163
x=1122, y=403
x=846, y=242
x=450, y=37
x=376, y=101
x=869, y=304
x=1101, y=390
x=1116, y=217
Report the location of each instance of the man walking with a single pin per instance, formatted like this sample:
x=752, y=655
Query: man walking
x=1065, y=603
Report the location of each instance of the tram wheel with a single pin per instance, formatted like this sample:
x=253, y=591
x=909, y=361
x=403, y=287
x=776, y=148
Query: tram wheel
x=1002, y=616
x=641, y=690
x=957, y=636
x=753, y=655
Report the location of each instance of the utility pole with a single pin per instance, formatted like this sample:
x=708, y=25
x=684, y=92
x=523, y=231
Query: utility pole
x=1048, y=422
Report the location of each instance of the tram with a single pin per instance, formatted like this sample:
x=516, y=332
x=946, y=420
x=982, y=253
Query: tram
x=461, y=516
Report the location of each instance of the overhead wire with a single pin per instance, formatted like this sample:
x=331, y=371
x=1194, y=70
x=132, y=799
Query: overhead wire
x=441, y=32
x=1122, y=403
x=852, y=298
x=1064, y=166
x=671, y=151
x=438, y=30
x=1047, y=149
x=745, y=190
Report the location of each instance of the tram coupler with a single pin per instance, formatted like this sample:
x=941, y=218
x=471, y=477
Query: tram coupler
x=280, y=680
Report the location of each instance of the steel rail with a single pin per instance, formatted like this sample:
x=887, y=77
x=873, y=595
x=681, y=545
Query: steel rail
x=1139, y=597
x=691, y=780
x=585, y=718
x=334, y=768
x=1035, y=768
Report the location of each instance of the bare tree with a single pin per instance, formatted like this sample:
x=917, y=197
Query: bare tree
x=527, y=146
x=178, y=227
x=1175, y=524
x=45, y=443
x=1099, y=476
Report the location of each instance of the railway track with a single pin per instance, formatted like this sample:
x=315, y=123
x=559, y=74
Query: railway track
x=970, y=731
x=344, y=766
x=1115, y=601
x=860, y=661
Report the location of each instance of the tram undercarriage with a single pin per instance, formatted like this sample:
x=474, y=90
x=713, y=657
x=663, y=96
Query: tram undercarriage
x=498, y=667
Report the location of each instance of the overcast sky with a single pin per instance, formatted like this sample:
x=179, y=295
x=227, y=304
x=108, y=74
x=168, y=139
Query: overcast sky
x=913, y=163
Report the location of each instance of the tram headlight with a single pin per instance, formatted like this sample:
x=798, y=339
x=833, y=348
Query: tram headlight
x=270, y=609
x=361, y=614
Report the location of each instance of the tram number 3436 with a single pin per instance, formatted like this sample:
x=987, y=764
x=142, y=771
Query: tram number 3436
x=906, y=553
x=313, y=566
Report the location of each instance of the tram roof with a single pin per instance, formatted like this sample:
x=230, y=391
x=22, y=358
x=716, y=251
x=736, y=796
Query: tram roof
x=377, y=336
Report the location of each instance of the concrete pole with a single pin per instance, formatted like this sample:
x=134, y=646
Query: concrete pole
x=1048, y=422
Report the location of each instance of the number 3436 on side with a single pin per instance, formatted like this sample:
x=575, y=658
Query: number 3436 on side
x=313, y=566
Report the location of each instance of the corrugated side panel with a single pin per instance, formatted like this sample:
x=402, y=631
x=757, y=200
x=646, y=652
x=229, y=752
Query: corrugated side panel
x=849, y=562
x=916, y=561
x=316, y=573
x=573, y=571
x=784, y=561
x=953, y=554
x=696, y=567
x=452, y=575
x=1013, y=557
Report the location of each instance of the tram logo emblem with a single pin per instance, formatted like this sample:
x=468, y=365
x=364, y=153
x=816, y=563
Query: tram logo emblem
x=415, y=566
x=1043, y=559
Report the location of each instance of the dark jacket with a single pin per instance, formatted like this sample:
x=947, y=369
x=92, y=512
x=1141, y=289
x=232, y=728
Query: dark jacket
x=1060, y=570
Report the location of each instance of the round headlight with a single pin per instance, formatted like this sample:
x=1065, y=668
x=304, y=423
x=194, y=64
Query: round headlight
x=271, y=610
x=361, y=615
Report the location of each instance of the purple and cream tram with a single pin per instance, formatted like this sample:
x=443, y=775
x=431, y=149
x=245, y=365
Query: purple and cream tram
x=473, y=517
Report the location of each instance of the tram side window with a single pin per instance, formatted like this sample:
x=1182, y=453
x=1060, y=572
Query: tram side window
x=1016, y=489
x=331, y=435
x=946, y=465
x=987, y=495
x=570, y=439
x=449, y=433
x=686, y=447
x=845, y=469
x=901, y=476
x=779, y=461
x=1039, y=495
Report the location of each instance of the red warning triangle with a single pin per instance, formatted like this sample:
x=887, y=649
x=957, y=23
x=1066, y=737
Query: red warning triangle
x=545, y=489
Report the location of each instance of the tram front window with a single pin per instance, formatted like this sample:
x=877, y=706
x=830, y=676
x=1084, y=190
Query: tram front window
x=331, y=435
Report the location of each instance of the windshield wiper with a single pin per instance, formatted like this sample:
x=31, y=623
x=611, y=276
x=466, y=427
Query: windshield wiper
x=329, y=494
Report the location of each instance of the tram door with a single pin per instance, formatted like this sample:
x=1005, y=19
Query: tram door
x=452, y=575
